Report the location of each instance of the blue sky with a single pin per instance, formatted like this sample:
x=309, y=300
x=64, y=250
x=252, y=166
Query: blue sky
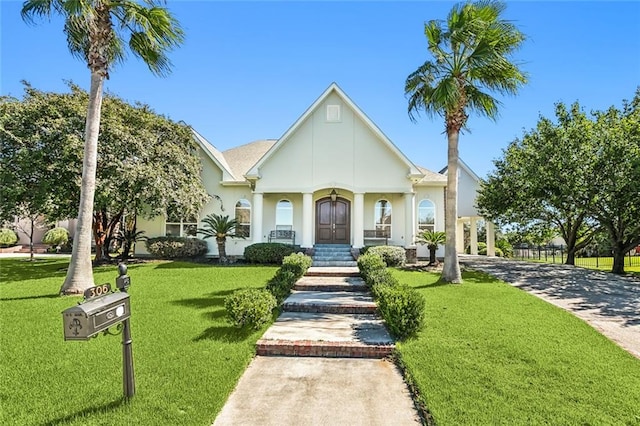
x=248, y=70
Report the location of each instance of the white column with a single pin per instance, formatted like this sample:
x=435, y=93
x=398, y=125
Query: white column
x=256, y=217
x=307, y=220
x=473, y=237
x=358, y=219
x=460, y=236
x=409, y=219
x=491, y=238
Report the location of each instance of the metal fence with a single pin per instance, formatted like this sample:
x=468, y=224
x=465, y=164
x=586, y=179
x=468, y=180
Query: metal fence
x=558, y=254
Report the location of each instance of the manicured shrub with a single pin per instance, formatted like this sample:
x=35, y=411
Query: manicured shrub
x=391, y=255
x=250, y=307
x=56, y=237
x=298, y=263
x=7, y=237
x=379, y=278
x=402, y=309
x=505, y=247
x=369, y=262
x=176, y=247
x=267, y=253
x=281, y=284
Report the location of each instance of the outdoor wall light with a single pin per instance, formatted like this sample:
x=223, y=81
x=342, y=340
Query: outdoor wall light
x=333, y=195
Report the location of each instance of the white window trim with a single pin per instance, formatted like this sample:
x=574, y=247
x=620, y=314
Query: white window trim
x=181, y=224
x=375, y=216
x=249, y=216
x=426, y=227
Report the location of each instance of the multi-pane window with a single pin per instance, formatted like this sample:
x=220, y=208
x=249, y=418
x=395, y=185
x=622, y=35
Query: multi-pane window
x=383, y=217
x=426, y=216
x=243, y=217
x=178, y=226
x=284, y=215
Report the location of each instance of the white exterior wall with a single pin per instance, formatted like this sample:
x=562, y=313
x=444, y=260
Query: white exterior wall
x=467, y=193
x=436, y=195
x=343, y=155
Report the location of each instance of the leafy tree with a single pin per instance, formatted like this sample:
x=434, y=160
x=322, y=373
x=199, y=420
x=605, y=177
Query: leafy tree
x=30, y=173
x=579, y=176
x=146, y=163
x=471, y=57
x=96, y=31
x=219, y=227
x=617, y=177
x=432, y=239
x=545, y=180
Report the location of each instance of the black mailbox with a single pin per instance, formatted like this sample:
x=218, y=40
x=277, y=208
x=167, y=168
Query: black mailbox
x=87, y=319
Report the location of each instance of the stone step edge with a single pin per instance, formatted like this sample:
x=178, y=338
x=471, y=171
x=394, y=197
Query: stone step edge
x=323, y=308
x=313, y=348
x=331, y=274
x=331, y=287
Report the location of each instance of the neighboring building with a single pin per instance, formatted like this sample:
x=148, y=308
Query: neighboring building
x=332, y=178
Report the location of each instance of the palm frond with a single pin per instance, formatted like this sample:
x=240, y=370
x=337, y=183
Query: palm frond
x=472, y=56
x=219, y=227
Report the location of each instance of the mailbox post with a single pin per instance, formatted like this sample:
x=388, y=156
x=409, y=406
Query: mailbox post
x=100, y=310
x=123, y=282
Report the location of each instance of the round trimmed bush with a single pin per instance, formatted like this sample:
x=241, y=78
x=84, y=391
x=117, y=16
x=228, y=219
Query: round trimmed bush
x=267, y=253
x=391, y=255
x=402, y=309
x=8, y=238
x=56, y=237
x=250, y=307
x=176, y=247
x=281, y=284
x=369, y=262
x=298, y=263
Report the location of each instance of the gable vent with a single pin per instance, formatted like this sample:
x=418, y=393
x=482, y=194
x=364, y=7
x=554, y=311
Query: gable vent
x=334, y=113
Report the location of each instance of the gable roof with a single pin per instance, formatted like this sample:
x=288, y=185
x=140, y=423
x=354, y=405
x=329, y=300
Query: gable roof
x=465, y=167
x=413, y=171
x=215, y=155
x=432, y=177
x=242, y=158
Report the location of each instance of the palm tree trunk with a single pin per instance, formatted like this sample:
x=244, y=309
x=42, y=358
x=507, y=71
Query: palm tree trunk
x=80, y=273
x=451, y=269
x=432, y=256
x=222, y=250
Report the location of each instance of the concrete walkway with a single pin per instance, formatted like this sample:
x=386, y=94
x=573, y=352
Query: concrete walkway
x=608, y=302
x=334, y=371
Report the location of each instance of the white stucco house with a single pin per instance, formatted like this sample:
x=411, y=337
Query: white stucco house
x=332, y=178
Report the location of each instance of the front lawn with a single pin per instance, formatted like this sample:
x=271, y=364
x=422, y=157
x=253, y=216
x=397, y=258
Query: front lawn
x=492, y=354
x=187, y=358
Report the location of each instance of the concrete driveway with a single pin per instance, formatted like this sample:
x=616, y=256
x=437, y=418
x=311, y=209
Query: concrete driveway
x=608, y=302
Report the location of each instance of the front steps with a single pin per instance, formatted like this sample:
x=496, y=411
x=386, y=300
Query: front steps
x=337, y=282
x=328, y=315
x=333, y=255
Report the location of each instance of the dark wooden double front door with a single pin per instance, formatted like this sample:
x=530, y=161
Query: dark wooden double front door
x=333, y=221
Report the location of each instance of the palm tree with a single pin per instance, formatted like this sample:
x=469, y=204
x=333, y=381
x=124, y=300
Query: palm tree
x=96, y=32
x=220, y=227
x=471, y=58
x=433, y=239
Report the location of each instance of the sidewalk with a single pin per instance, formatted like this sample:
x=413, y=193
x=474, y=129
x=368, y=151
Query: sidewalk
x=608, y=302
x=322, y=362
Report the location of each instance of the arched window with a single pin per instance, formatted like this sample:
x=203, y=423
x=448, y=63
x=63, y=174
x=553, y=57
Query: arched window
x=426, y=216
x=383, y=217
x=243, y=217
x=284, y=215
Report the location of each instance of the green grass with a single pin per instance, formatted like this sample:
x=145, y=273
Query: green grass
x=491, y=354
x=187, y=358
x=631, y=265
